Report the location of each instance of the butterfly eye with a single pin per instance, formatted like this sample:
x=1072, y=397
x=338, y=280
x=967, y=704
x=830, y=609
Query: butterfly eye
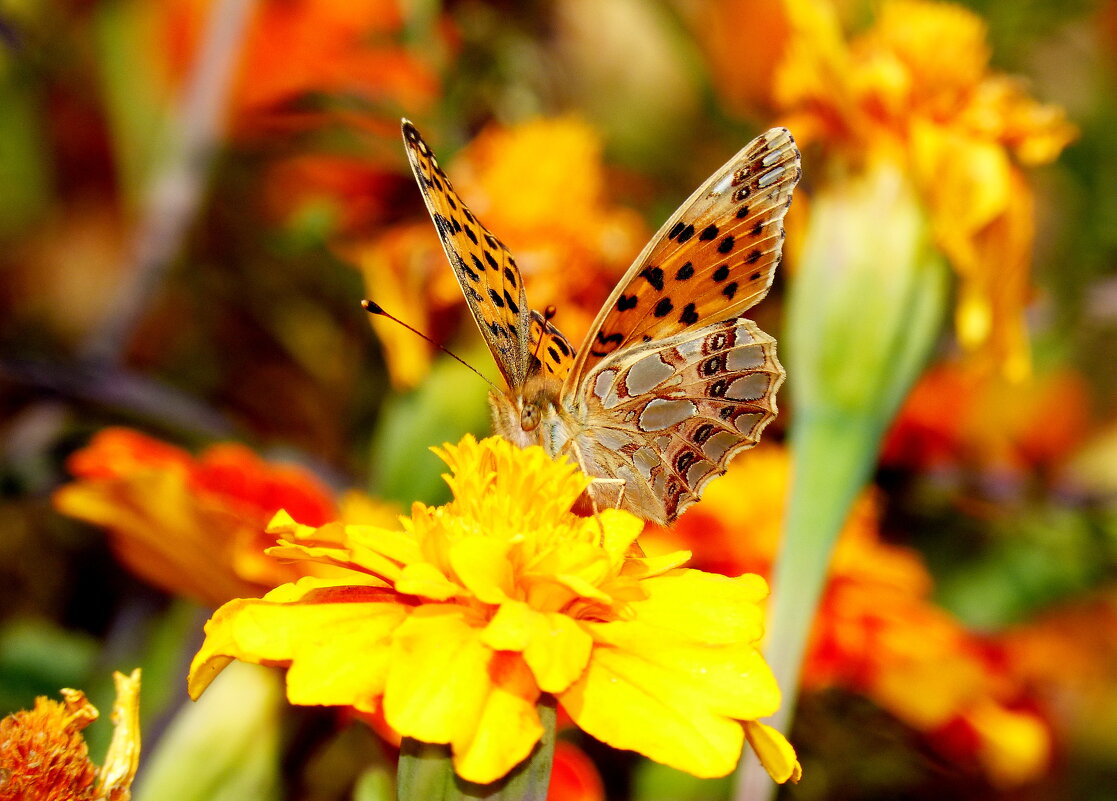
x=529, y=417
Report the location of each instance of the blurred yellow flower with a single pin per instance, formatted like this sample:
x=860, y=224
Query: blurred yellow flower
x=458, y=624
x=44, y=757
x=540, y=188
x=916, y=88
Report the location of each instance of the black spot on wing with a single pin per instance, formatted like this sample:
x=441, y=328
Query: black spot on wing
x=607, y=342
x=654, y=276
x=702, y=433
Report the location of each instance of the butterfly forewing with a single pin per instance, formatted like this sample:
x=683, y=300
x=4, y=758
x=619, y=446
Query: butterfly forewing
x=483, y=266
x=713, y=259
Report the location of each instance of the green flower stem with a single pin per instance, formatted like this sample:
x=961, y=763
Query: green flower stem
x=833, y=456
x=426, y=773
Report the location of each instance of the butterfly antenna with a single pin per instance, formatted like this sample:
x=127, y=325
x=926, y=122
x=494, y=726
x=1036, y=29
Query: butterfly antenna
x=372, y=307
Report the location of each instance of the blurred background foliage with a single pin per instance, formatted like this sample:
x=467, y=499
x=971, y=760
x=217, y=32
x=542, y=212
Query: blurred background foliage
x=195, y=195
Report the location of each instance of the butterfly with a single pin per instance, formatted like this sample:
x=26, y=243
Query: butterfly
x=671, y=382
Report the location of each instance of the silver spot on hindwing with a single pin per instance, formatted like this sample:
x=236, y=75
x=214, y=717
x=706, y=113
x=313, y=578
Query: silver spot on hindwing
x=644, y=460
x=646, y=374
x=744, y=358
x=747, y=423
x=749, y=387
x=717, y=445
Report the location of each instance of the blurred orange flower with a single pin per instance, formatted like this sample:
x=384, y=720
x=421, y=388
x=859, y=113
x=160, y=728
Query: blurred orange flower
x=540, y=188
x=44, y=757
x=916, y=86
x=958, y=415
x=355, y=193
x=573, y=776
x=196, y=526
x=1068, y=659
x=296, y=47
x=877, y=632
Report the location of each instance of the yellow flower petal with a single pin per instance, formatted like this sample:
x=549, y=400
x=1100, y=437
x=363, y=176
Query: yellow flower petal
x=557, y=652
x=511, y=627
x=439, y=675
x=647, y=566
x=507, y=727
x=424, y=580
x=621, y=530
x=123, y=757
x=706, y=607
x=481, y=564
x=314, y=627
x=676, y=701
x=774, y=751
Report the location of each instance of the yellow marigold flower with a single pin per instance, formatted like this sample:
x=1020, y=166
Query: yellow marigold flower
x=455, y=626
x=43, y=756
x=916, y=87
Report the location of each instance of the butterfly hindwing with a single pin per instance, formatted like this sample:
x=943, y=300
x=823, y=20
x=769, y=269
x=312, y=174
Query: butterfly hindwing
x=483, y=266
x=668, y=416
x=713, y=259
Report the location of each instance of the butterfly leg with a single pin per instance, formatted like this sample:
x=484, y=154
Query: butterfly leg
x=606, y=493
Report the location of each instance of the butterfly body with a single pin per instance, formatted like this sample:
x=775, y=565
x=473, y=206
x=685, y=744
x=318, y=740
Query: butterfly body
x=671, y=382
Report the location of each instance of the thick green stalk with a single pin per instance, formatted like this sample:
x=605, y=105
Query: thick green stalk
x=832, y=455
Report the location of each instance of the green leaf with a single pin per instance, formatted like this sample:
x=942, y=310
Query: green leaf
x=654, y=782
x=448, y=404
x=37, y=658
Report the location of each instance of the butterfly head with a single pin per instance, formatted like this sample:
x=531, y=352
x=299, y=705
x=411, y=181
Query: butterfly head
x=529, y=416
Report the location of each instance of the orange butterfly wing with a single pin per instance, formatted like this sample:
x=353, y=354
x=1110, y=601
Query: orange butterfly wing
x=482, y=264
x=712, y=260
